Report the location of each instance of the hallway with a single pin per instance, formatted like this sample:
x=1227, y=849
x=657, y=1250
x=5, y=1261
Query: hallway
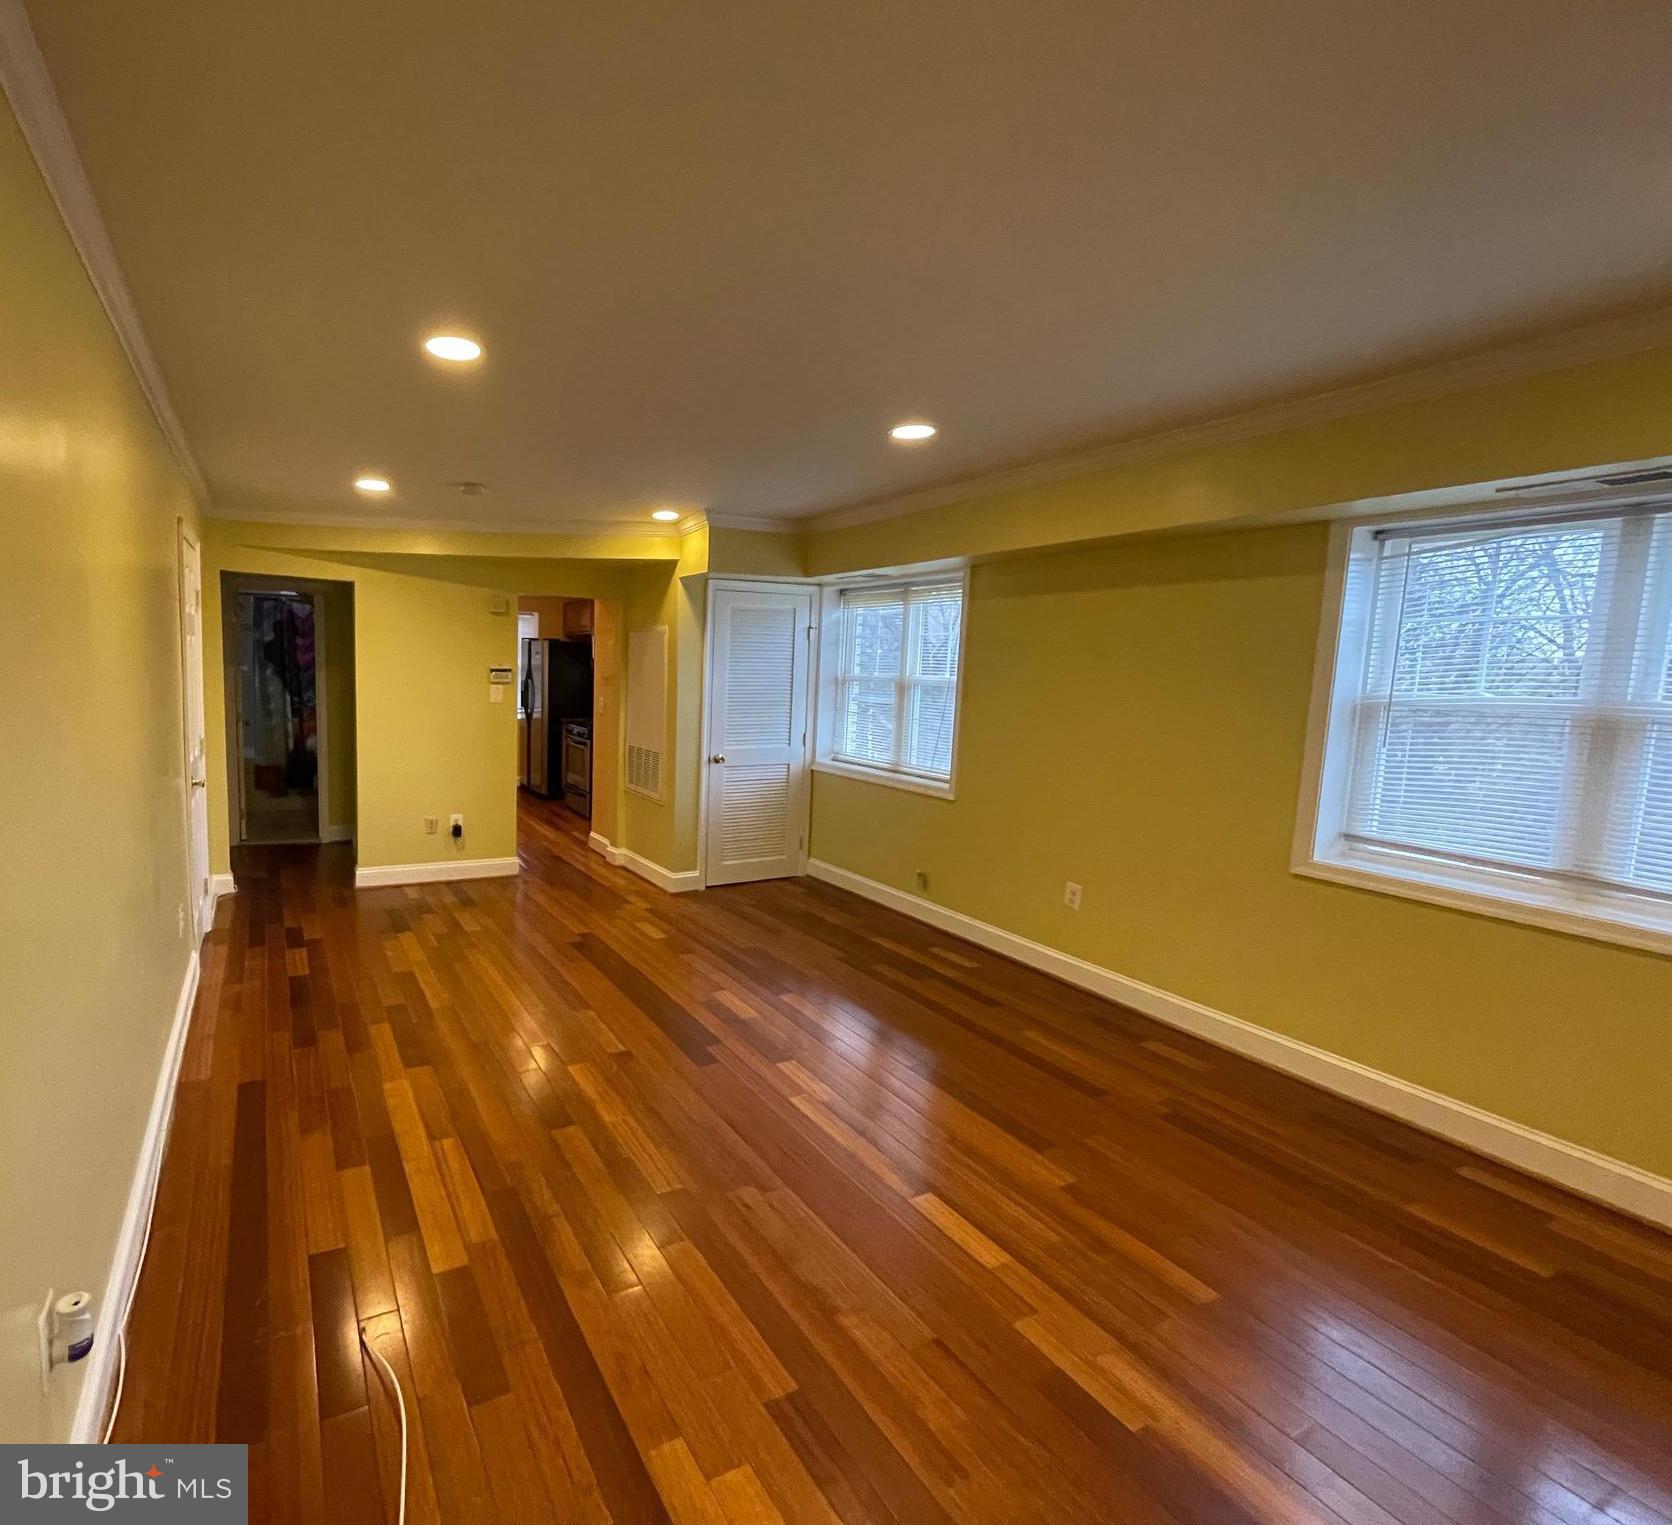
x=766, y=1203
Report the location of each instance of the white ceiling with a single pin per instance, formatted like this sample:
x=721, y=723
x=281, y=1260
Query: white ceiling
x=715, y=247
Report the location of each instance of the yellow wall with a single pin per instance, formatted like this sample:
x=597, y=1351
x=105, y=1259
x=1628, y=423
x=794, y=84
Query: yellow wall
x=425, y=734
x=1565, y=420
x=753, y=553
x=608, y=762
x=336, y=616
x=94, y=886
x=621, y=548
x=427, y=740
x=1134, y=720
x=665, y=831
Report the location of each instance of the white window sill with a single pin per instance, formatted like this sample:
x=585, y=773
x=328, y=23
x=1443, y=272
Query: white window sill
x=1616, y=918
x=938, y=788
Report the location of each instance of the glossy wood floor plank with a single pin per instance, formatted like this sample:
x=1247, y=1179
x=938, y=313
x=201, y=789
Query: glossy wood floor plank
x=766, y=1204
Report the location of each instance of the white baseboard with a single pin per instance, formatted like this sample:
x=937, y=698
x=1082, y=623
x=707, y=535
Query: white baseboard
x=379, y=874
x=94, y=1401
x=674, y=882
x=214, y=887
x=1614, y=1182
x=339, y=833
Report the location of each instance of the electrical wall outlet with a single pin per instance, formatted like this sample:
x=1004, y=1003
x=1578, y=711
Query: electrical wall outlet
x=1071, y=895
x=922, y=878
x=432, y=824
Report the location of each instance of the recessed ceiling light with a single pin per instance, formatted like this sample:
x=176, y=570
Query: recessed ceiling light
x=666, y=515
x=371, y=484
x=910, y=433
x=454, y=347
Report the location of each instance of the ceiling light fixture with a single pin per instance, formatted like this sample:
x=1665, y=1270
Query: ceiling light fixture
x=909, y=434
x=454, y=347
x=371, y=484
x=666, y=515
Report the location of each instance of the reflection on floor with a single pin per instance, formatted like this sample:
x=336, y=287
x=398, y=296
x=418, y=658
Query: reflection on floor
x=288, y=818
x=766, y=1204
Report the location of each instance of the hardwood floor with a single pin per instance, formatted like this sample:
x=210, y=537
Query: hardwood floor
x=768, y=1204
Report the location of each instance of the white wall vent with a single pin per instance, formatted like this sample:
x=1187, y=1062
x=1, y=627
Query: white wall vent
x=1639, y=477
x=647, y=709
x=644, y=771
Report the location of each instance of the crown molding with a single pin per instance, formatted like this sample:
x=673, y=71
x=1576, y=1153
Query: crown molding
x=28, y=86
x=1509, y=362
x=758, y=522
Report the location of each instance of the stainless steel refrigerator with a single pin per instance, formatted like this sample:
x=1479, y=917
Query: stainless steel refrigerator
x=557, y=688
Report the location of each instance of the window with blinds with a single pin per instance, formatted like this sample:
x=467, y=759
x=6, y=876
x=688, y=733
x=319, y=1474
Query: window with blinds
x=1502, y=714
x=894, y=673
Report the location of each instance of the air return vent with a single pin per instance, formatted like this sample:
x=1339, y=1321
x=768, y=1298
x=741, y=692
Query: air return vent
x=1646, y=477
x=644, y=771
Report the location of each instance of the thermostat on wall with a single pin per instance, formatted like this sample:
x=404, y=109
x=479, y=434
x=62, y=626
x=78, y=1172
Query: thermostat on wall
x=499, y=674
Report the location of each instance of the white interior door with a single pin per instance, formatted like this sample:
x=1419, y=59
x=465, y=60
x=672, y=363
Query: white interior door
x=197, y=757
x=757, y=732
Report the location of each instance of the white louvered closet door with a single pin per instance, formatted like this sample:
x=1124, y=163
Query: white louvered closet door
x=757, y=733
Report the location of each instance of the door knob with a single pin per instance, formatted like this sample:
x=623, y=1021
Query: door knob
x=718, y=757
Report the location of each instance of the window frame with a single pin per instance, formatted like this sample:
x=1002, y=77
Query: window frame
x=1323, y=850
x=827, y=715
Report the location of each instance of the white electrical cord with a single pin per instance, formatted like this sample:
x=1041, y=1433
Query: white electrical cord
x=128, y=1306
x=400, y=1398
x=387, y=1370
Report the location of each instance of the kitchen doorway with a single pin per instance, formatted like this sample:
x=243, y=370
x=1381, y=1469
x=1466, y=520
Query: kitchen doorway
x=569, y=736
x=555, y=695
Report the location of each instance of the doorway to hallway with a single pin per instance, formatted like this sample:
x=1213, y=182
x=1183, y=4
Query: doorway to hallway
x=290, y=720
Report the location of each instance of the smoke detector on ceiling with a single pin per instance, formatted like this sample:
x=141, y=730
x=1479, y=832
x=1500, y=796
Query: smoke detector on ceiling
x=470, y=489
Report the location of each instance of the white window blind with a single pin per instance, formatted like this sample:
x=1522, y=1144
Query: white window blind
x=897, y=677
x=1512, y=710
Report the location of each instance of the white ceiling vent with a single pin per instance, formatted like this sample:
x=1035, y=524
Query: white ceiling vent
x=1646, y=476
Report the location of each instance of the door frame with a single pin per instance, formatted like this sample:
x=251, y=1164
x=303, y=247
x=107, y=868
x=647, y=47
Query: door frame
x=235, y=584
x=200, y=895
x=706, y=727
